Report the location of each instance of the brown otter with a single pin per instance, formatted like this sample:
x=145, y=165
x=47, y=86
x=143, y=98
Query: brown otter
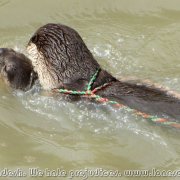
x=16, y=69
x=62, y=60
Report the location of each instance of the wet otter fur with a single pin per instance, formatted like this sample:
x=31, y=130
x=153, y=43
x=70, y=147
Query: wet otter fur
x=62, y=60
x=16, y=69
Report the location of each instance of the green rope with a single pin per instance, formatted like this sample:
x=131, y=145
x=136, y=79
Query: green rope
x=92, y=80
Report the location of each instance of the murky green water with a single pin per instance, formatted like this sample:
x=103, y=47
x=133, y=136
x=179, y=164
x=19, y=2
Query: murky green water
x=138, y=38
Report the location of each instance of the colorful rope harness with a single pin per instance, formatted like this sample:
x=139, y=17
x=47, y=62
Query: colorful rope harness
x=91, y=94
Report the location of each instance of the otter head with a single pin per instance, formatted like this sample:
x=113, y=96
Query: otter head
x=60, y=56
x=16, y=69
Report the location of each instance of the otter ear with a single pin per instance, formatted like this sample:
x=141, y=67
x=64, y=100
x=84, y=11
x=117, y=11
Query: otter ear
x=35, y=38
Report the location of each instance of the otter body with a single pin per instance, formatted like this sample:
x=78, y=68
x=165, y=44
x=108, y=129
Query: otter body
x=16, y=69
x=62, y=60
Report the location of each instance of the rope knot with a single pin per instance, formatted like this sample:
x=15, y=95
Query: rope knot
x=89, y=92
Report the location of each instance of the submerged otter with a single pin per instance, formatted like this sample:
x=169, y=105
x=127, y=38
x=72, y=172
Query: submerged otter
x=16, y=69
x=62, y=60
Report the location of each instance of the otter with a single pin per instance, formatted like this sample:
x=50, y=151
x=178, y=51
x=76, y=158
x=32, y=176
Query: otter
x=62, y=60
x=16, y=69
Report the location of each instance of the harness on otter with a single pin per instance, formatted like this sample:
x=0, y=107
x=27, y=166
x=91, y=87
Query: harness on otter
x=91, y=93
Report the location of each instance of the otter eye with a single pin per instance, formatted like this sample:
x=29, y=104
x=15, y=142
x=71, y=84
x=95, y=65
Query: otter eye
x=35, y=38
x=10, y=68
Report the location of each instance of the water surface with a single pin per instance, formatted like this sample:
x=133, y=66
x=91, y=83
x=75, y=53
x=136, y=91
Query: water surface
x=128, y=38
